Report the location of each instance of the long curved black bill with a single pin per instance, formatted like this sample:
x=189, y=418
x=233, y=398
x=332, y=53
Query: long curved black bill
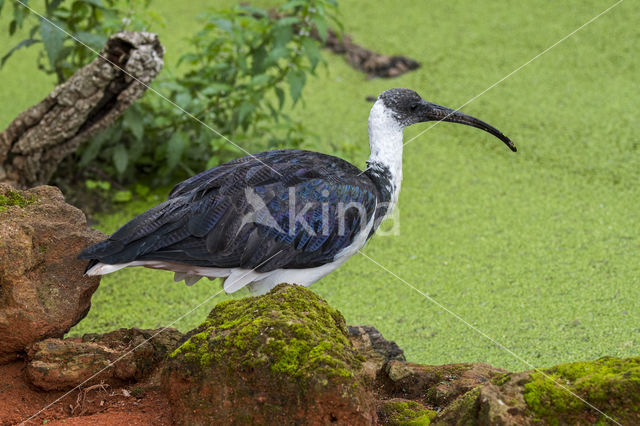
x=436, y=112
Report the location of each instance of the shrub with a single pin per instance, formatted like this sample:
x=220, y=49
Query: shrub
x=245, y=67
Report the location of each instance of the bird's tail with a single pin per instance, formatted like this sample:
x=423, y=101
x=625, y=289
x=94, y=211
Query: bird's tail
x=95, y=267
x=90, y=265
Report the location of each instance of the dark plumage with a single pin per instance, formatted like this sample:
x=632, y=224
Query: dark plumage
x=202, y=221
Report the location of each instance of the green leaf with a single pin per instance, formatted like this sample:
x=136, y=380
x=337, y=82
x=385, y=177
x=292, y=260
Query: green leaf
x=1, y=4
x=183, y=99
x=97, y=184
x=245, y=109
x=142, y=190
x=134, y=122
x=312, y=51
x=120, y=158
x=175, y=148
x=274, y=113
x=276, y=54
x=51, y=7
x=215, y=88
x=135, y=150
x=260, y=79
x=288, y=21
x=122, y=196
x=282, y=35
x=242, y=62
x=259, y=58
x=280, y=94
x=53, y=38
x=296, y=80
x=94, y=40
x=63, y=14
x=224, y=24
x=291, y=4
x=191, y=58
x=19, y=12
x=321, y=26
x=251, y=10
x=24, y=43
x=93, y=148
x=96, y=3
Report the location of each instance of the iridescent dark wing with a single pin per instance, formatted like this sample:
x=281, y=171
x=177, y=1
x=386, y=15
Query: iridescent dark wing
x=303, y=206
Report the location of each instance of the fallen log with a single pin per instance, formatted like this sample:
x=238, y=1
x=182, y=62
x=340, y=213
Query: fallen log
x=40, y=137
x=369, y=62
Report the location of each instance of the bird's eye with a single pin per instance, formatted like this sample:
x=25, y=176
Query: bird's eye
x=414, y=106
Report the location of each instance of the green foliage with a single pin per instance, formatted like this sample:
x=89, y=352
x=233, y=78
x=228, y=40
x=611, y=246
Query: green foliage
x=89, y=23
x=242, y=66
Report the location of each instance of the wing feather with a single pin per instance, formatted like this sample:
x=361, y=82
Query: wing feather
x=240, y=215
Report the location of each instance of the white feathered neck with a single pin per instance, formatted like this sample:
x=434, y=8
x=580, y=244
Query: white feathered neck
x=385, y=142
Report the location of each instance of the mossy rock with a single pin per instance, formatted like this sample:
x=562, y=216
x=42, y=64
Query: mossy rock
x=278, y=358
x=14, y=198
x=290, y=331
x=610, y=384
x=405, y=413
x=43, y=289
x=462, y=411
x=554, y=396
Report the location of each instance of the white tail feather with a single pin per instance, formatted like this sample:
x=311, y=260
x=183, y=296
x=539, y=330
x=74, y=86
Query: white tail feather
x=103, y=268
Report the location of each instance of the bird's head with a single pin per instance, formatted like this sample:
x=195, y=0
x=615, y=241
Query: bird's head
x=407, y=108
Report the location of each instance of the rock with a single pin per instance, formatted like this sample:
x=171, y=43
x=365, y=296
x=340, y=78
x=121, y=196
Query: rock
x=376, y=350
x=436, y=385
x=610, y=384
x=281, y=358
x=462, y=411
x=56, y=364
x=43, y=291
x=397, y=412
x=490, y=404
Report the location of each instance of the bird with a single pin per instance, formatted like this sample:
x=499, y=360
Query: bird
x=280, y=216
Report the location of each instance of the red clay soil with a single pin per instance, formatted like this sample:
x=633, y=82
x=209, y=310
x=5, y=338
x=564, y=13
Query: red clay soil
x=90, y=406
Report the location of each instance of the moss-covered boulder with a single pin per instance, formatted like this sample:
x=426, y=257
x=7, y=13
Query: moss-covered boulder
x=43, y=289
x=281, y=358
x=612, y=385
x=562, y=395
